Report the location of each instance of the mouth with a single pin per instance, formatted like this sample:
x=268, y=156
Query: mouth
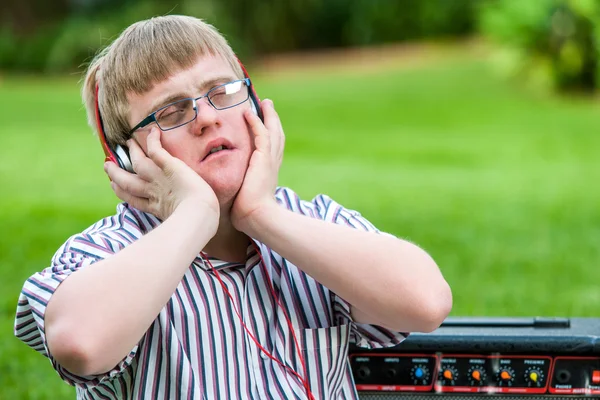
x=216, y=151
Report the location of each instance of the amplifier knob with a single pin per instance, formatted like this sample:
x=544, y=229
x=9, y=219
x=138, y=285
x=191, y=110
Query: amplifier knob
x=420, y=375
x=476, y=376
x=506, y=376
x=448, y=375
x=534, y=377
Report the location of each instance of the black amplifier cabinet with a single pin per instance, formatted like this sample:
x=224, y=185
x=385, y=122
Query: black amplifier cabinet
x=509, y=358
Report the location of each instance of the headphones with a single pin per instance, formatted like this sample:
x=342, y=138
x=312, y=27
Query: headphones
x=120, y=154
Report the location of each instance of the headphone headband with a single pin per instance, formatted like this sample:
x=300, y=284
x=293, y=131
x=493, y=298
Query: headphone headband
x=108, y=152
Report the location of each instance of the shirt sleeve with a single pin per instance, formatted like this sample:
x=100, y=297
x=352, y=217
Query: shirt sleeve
x=323, y=207
x=80, y=251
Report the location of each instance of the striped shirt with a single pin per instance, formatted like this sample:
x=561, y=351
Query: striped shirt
x=197, y=347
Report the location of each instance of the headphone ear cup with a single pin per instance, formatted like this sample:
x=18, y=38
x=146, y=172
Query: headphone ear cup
x=256, y=105
x=254, y=109
x=122, y=154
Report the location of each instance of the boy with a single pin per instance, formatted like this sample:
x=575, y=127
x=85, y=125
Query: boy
x=210, y=281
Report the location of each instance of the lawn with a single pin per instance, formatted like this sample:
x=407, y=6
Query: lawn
x=499, y=184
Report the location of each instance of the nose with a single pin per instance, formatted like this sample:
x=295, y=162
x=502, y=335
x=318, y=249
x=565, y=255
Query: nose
x=206, y=116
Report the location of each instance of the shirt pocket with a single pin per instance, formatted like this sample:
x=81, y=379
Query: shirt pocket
x=325, y=354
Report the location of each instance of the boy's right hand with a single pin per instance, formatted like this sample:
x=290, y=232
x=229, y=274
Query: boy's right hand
x=161, y=182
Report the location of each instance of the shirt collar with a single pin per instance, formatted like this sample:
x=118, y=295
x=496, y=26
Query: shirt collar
x=221, y=265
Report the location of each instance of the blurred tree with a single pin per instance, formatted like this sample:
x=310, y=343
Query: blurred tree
x=553, y=43
x=25, y=17
x=63, y=33
x=377, y=21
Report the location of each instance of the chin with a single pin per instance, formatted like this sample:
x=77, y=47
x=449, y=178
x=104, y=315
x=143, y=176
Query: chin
x=225, y=178
x=226, y=188
x=226, y=197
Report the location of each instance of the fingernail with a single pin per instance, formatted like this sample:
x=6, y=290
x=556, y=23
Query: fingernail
x=105, y=166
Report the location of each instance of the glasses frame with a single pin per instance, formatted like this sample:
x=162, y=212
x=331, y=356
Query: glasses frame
x=152, y=117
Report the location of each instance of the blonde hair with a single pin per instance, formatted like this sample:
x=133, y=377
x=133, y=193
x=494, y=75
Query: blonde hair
x=146, y=53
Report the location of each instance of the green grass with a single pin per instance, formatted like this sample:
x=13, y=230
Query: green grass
x=498, y=184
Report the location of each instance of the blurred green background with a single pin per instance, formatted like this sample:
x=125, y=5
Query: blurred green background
x=468, y=126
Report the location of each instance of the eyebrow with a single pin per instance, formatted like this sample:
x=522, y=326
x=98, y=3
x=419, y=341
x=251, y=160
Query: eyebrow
x=210, y=83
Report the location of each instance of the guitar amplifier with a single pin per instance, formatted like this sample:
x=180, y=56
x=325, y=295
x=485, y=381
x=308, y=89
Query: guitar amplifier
x=467, y=358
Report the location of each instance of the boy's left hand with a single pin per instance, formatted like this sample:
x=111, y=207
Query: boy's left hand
x=257, y=193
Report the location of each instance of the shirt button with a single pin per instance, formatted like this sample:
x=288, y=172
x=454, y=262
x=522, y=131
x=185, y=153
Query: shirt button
x=263, y=355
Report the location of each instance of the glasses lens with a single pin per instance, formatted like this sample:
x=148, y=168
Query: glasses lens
x=176, y=114
x=229, y=95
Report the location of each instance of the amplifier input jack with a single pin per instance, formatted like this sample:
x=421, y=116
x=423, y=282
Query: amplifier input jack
x=363, y=372
x=391, y=373
x=563, y=376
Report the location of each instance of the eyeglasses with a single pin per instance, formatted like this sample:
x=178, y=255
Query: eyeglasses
x=184, y=111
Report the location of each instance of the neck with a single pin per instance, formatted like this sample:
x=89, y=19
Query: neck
x=228, y=244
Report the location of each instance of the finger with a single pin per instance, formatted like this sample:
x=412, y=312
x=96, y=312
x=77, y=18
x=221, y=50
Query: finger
x=281, y=139
x=156, y=152
x=260, y=132
x=136, y=154
x=128, y=182
x=270, y=116
x=273, y=124
x=140, y=203
x=143, y=166
x=281, y=148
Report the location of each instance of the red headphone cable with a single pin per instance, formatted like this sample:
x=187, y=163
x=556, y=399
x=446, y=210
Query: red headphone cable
x=302, y=380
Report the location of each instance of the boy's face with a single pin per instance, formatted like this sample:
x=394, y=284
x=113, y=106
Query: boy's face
x=224, y=171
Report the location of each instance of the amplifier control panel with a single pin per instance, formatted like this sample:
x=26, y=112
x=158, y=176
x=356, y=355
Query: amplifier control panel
x=469, y=373
x=510, y=374
x=394, y=372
